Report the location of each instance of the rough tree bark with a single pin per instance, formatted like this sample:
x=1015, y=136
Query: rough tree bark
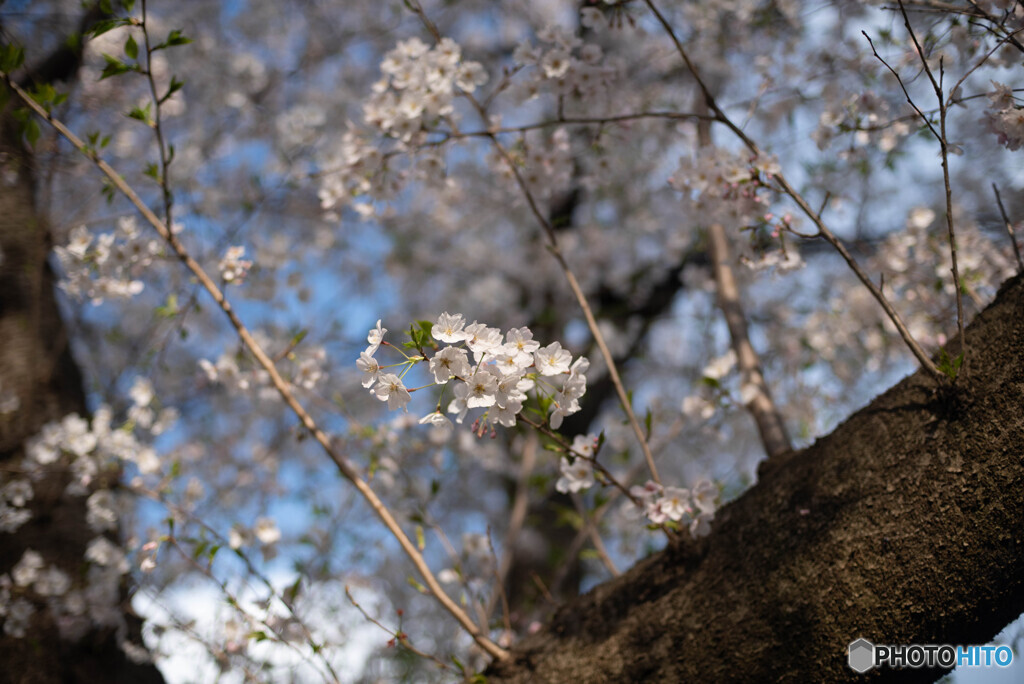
x=37, y=366
x=905, y=525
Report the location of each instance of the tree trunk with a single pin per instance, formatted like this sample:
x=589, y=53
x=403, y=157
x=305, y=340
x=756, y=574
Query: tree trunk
x=905, y=525
x=37, y=368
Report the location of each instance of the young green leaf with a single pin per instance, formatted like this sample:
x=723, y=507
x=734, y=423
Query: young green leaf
x=114, y=67
x=11, y=57
x=131, y=48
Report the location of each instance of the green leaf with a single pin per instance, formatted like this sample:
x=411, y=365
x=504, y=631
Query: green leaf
x=131, y=48
x=101, y=27
x=950, y=367
x=141, y=114
x=569, y=516
x=175, y=86
x=291, y=592
x=114, y=67
x=174, y=38
x=108, y=191
x=11, y=57
x=421, y=542
x=170, y=308
x=46, y=95
x=31, y=131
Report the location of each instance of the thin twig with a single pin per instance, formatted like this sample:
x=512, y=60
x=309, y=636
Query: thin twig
x=399, y=636
x=506, y=612
x=815, y=217
x=1009, y=229
x=944, y=149
x=159, y=496
x=573, y=121
x=344, y=465
x=577, y=291
x=158, y=130
x=236, y=603
x=588, y=314
x=595, y=537
x=517, y=517
x=606, y=474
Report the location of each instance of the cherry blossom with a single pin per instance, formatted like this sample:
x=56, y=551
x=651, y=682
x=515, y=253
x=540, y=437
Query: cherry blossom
x=390, y=389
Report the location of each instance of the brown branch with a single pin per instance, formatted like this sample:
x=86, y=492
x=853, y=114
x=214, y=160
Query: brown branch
x=344, y=465
x=815, y=217
x=1009, y=229
x=588, y=314
x=944, y=149
x=770, y=424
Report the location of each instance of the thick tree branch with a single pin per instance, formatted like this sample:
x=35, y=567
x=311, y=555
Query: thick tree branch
x=905, y=525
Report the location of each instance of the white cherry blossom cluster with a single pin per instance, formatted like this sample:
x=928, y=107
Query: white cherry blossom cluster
x=417, y=91
x=721, y=186
x=226, y=371
x=356, y=168
x=915, y=264
x=545, y=163
x=300, y=125
x=578, y=473
x=563, y=60
x=1005, y=117
x=14, y=496
x=29, y=576
x=106, y=266
x=89, y=451
x=307, y=370
x=233, y=268
x=419, y=86
x=869, y=117
x=692, y=508
x=497, y=377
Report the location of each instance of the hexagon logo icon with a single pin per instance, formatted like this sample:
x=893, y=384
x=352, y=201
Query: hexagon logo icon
x=861, y=655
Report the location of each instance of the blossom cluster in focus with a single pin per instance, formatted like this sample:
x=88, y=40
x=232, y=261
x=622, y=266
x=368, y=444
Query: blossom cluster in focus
x=484, y=370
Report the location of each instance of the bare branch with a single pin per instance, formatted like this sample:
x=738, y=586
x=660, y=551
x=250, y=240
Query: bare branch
x=766, y=414
x=1009, y=229
x=944, y=149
